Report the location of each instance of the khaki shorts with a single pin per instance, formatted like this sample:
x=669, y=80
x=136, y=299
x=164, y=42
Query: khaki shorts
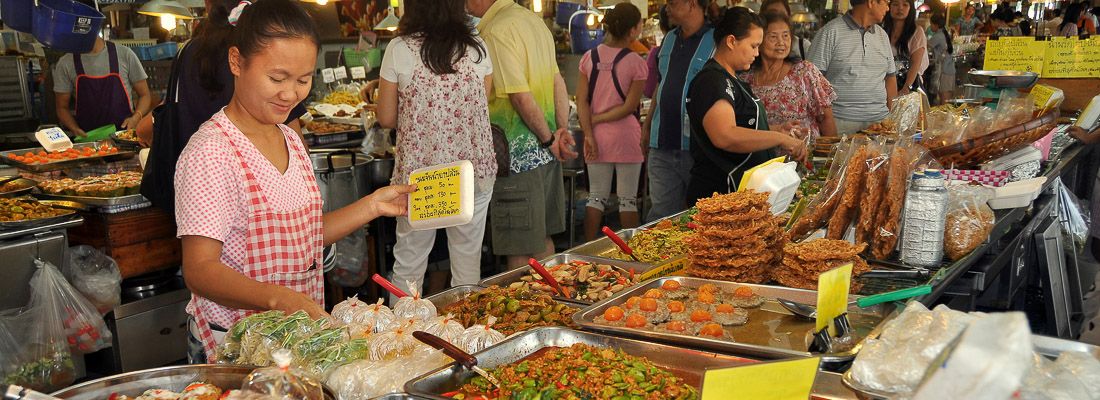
x=527, y=208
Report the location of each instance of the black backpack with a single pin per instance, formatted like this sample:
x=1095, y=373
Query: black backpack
x=614, y=76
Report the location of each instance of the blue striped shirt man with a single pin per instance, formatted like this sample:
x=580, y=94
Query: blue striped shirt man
x=857, y=61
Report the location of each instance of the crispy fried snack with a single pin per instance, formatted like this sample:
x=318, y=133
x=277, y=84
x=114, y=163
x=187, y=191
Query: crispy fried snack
x=823, y=249
x=875, y=187
x=737, y=238
x=888, y=219
x=731, y=203
x=853, y=185
x=817, y=214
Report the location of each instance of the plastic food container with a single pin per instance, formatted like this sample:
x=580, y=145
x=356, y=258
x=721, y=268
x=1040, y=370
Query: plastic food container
x=780, y=180
x=1017, y=194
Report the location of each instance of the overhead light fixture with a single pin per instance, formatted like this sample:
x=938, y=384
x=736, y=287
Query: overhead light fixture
x=536, y=6
x=803, y=18
x=389, y=23
x=159, y=8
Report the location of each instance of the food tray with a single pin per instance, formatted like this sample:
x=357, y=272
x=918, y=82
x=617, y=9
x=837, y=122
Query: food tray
x=506, y=278
x=56, y=165
x=686, y=363
x=172, y=378
x=769, y=334
x=128, y=144
x=990, y=146
x=1045, y=345
x=600, y=247
x=69, y=214
x=96, y=201
x=19, y=192
x=459, y=293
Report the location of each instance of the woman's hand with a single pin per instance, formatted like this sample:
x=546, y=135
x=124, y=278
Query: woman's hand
x=591, y=149
x=795, y=147
x=290, y=301
x=367, y=92
x=904, y=91
x=390, y=201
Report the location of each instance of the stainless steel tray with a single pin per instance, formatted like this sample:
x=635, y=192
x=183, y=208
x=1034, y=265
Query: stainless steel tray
x=68, y=215
x=96, y=201
x=459, y=293
x=506, y=278
x=171, y=378
x=685, y=363
x=769, y=334
x=602, y=246
x=658, y=220
x=29, y=183
x=62, y=164
x=1045, y=345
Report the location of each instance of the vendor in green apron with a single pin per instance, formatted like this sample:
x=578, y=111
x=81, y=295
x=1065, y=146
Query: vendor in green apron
x=729, y=126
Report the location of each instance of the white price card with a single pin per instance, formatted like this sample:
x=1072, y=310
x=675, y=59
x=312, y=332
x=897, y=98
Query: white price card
x=53, y=139
x=327, y=75
x=340, y=72
x=358, y=73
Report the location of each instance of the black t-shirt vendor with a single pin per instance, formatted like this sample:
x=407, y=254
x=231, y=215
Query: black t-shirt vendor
x=729, y=127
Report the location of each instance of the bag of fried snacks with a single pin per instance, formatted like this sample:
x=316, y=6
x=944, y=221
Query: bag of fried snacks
x=820, y=208
x=283, y=382
x=904, y=158
x=908, y=112
x=874, y=189
x=969, y=220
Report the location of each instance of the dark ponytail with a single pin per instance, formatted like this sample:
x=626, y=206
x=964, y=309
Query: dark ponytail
x=442, y=25
x=211, y=44
x=621, y=19
x=268, y=20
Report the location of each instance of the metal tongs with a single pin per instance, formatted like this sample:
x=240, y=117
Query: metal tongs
x=824, y=341
x=459, y=355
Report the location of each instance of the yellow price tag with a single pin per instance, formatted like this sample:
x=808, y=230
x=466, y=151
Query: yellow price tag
x=748, y=173
x=669, y=268
x=779, y=380
x=832, y=296
x=438, y=193
x=1043, y=96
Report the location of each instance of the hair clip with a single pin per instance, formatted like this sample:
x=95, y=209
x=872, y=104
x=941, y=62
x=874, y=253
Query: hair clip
x=235, y=13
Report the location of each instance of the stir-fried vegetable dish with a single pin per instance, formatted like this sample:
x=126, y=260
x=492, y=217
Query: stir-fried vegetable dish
x=580, y=372
x=515, y=309
x=582, y=280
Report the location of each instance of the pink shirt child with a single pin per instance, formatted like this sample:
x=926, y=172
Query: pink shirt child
x=618, y=141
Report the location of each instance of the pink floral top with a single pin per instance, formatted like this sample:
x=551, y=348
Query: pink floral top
x=440, y=118
x=801, y=96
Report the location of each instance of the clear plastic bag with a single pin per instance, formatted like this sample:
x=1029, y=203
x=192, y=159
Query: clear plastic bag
x=821, y=207
x=1075, y=216
x=478, y=337
x=368, y=379
x=282, y=381
x=351, y=269
x=1012, y=109
x=396, y=343
x=446, y=327
x=324, y=362
x=412, y=306
x=41, y=360
x=84, y=329
x=348, y=310
x=969, y=220
x=908, y=112
x=96, y=276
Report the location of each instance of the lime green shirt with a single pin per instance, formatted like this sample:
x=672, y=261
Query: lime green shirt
x=524, y=60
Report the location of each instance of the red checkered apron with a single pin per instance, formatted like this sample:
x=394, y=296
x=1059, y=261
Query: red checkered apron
x=284, y=247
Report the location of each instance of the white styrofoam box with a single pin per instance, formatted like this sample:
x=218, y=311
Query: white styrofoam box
x=780, y=180
x=451, y=186
x=1017, y=194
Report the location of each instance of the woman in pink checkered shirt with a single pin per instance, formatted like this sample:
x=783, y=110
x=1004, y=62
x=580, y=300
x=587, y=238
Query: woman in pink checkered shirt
x=247, y=204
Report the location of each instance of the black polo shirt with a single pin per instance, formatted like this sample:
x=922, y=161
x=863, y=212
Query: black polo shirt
x=712, y=164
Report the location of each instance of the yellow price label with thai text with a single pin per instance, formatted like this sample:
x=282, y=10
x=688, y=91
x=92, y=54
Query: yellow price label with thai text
x=437, y=195
x=779, y=380
x=832, y=296
x=1015, y=54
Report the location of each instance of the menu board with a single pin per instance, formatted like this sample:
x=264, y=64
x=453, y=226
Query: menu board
x=1058, y=57
x=1072, y=58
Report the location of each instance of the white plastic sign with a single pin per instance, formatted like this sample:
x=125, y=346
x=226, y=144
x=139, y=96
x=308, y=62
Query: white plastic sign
x=53, y=139
x=358, y=73
x=444, y=196
x=327, y=75
x=340, y=73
